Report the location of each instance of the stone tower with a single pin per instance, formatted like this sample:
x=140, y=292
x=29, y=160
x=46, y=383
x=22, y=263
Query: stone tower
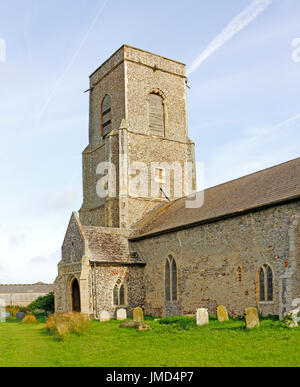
x=138, y=125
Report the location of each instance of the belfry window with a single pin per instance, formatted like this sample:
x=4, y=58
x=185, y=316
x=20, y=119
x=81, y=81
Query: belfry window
x=119, y=294
x=156, y=115
x=265, y=283
x=106, y=116
x=171, y=279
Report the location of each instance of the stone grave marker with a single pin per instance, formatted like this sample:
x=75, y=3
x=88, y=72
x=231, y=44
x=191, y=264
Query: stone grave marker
x=138, y=315
x=222, y=313
x=104, y=316
x=20, y=315
x=202, y=317
x=121, y=314
x=252, y=318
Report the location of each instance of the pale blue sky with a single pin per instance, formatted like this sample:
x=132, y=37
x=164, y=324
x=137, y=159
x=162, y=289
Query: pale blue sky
x=238, y=99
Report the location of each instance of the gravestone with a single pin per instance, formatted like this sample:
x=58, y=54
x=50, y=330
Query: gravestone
x=20, y=315
x=202, y=317
x=138, y=315
x=222, y=313
x=121, y=314
x=252, y=318
x=104, y=316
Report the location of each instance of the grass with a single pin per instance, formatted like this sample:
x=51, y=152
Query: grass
x=171, y=343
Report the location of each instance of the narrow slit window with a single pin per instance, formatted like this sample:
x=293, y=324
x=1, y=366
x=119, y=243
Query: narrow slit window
x=171, y=280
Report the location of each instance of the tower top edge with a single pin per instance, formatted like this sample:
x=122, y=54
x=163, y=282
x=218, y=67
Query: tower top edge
x=139, y=56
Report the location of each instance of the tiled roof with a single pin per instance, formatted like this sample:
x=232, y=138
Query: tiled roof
x=35, y=288
x=110, y=245
x=260, y=189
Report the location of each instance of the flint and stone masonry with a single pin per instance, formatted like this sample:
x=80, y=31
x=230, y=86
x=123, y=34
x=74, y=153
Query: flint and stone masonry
x=115, y=251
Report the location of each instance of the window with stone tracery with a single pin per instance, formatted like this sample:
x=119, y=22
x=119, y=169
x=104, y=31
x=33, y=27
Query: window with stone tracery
x=265, y=284
x=119, y=294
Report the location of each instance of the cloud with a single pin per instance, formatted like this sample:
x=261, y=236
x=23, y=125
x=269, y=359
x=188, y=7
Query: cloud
x=18, y=239
x=236, y=25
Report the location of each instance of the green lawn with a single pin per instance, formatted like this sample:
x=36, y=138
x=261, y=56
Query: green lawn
x=105, y=344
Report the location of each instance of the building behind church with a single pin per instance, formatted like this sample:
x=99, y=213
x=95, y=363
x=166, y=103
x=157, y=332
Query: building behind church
x=151, y=246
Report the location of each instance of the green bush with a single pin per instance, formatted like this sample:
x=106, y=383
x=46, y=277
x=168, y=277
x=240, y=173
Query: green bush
x=45, y=303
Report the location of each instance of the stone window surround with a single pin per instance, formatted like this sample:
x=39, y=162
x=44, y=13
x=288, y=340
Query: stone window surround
x=171, y=258
x=263, y=266
x=101, y=114
x=124, y=306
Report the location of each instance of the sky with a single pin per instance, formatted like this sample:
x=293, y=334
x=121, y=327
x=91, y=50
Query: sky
x=243, y=61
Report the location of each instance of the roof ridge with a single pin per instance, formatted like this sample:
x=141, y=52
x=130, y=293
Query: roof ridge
x=252, y=174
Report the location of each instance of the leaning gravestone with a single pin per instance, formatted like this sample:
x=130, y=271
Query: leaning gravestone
x=252, y=318
x=202, y=317
x=138, y=315
x=104, y=316
x=20, y=315
x=222, y=313
x=121, y=314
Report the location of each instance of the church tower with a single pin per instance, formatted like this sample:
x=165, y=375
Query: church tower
x=138, y=127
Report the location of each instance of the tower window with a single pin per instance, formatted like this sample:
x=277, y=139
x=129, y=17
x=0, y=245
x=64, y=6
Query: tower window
x=106, y=116
x=265, y=283
x=119, y=294
x=156, y=115
x=171, y=279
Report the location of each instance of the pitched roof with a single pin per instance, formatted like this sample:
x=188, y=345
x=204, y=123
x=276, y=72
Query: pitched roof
x=110, y=245
x=260, y=189
x=35, y=288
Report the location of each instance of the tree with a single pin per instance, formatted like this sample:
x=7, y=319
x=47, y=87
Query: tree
x=45, y=303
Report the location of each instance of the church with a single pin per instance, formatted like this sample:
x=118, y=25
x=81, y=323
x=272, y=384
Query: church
x=144, y=237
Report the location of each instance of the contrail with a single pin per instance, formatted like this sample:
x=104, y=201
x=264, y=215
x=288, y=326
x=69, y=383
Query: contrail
x=236, y=25
x=74, y=57
x=292, y=119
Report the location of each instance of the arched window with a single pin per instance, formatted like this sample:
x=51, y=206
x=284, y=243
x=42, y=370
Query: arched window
x=171, y=279
x=265, y=283
x=239, y=274
x=119, y=294
x=106, y=116
x=156, y=114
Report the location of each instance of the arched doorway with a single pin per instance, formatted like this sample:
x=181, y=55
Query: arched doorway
x=76, y=307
